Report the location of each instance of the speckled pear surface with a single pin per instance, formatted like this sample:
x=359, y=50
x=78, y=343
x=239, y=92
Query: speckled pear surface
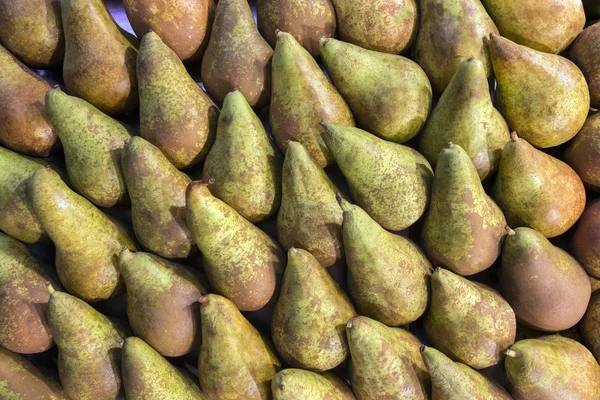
x=465, y=115
x=244, y=162
x=544, y=97
x=99, y=64
x=585, y=53
x=389, y=95
x=87, y=241
x=309, y=218
x=175, y=113
x=589, y=326
x=241, y=262
x=157, y=191
x=235, y=362
x=308, y=322
x=299, y=384
x=585, y=240
x=302, y=97
x=463, y=227
x=584, y=152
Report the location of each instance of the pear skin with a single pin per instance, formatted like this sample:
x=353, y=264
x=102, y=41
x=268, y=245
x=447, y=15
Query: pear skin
x=585, y=241
x=583, y=153
x=589, y=326
x=299, y=384
x=585, y=53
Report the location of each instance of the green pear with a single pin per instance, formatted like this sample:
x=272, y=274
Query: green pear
x=157, y=191
x=148, y=376
x=544, y=97
x=583, y=153
x=389, y=95
x=536, y=190
x=589, y=326
x=308, y=321
x=241, y=262
x=87, y=241
x=585, y=241
x=92, y=142
x=391, y=182
x=175, y=113
x=299, y=384
x=450, y=32
x=463, y=228
x=301, y=98
x=388, y=275
x=465, y=116
x=235, y=362
x=552, y=367
x=309, y=217
x=585, y=53
x=244, y=162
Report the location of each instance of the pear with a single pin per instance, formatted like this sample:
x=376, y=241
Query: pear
x=595, y=283
x=235, y=362
x=148, y=376
x=463, y=228
x=20, y=379
x=450, y=32
x=388, y=26
x=529, y=83
x=244, y=162
x=589, y=326
x=301, y=98
x=175, y=113
x=456, y=381
x=552, y=367
x=536, y=190
x=389, y=95
x=309, y=217
x=585, y=242
x=184, y=25
x=241, y=262
x=465, y=116
x=32, y=31
x=157, y=191
x=299, y=384
x=468, y=321
x=388, y=275
x=583, y=153
x=385, y=362
x=24, y=124
x=237, y=57
x=87, y=241
x=391, y=182
x=93, y=143
x=309, y=317
x=89, y=348
x=305, y=20
x=585, y=53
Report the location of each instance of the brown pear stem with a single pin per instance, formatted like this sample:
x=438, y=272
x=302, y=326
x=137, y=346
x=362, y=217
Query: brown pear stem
x=509, y=231
x=202, y=300
x=206, y=181
x=338, y=197
x=450, y=145
x=513, y=136
x=423, y=348
x=511, y=353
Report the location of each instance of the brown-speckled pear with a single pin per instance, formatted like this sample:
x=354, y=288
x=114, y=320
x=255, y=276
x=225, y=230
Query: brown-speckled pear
x=450, y=32
x=585, y=53
x=21, y=380
x=302, y=97
x=148, y=376
x=307, y=21
x=89, y=348
x=388, y=275
x=583, y=153
x=175, y=113
x=236, y=362
x=589, y=326
x=184, y=25
x=309, y=218
x=551, y=367
x=389, y=95
x=385, y=363
x=24, y=124
x=87, y=241
x=244, y=162
x=308, y=321
x=241, y=262
x=157, y=191
x=546, y=287
x=465, y=115
x=391, y=182
x=585, y=241
x=544, y=97
x=463, y=227
x=536, y=190
x=468, y=321
x=299, y=384
x=32, y=31
x=92, y=142
x=237, y=57
x=99, y=63
x=388, y=26
x=162, y=302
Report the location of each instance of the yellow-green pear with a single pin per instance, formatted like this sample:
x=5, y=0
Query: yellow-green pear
x=300, y=384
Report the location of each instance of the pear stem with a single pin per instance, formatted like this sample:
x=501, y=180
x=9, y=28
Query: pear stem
x=509, y=231
x=422, y=348
x=513, y=136
x=511, y=353
x=207, y=181
x=338, y=197
x=50, y=288
x=202, y=300
x=450, y=145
